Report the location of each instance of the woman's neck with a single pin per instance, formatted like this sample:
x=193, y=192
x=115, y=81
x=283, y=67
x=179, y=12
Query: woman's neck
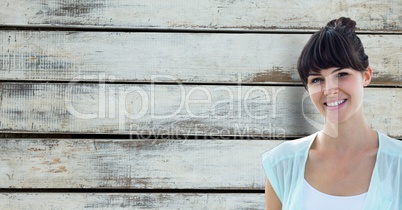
x=353, y=135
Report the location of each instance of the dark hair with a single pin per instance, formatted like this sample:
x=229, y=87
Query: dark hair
x=335, y=45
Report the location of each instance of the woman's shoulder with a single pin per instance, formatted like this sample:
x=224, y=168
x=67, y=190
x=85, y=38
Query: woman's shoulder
x=389, y=145
x=288, y=149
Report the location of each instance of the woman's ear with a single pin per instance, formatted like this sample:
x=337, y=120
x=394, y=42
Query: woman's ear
x=367, y=75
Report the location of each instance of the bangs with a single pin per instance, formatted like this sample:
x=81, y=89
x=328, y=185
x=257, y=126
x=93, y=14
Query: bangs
x=327, y=49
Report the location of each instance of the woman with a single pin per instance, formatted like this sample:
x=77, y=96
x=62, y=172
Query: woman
x=347, y=165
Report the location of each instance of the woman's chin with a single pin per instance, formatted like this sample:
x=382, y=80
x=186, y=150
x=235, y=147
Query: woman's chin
x=334, y=120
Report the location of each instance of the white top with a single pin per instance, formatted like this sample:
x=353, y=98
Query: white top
x=316, y=200
x=284, y=166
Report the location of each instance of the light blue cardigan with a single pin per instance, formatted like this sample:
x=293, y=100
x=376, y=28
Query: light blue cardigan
x=284, y=166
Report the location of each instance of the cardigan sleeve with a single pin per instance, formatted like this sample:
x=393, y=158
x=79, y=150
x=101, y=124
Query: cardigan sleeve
x=284, y=168
x=272, y=174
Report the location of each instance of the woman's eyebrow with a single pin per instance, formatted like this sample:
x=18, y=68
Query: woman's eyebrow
x=338, y=69
x=313, y=74
x=318, y=74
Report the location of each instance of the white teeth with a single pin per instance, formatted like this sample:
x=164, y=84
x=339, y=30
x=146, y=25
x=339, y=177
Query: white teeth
x=336, y=103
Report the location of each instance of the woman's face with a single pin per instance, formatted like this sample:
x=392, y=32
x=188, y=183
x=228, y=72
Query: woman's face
x=338, y=93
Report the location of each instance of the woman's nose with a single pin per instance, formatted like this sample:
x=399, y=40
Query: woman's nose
x=330, y=87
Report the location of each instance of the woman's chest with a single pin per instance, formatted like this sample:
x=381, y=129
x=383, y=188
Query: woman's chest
x=340, y=177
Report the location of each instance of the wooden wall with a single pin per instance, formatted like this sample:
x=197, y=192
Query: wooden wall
x=131, y=104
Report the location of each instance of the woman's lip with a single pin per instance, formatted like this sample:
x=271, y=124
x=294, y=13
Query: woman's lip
x=337, y=106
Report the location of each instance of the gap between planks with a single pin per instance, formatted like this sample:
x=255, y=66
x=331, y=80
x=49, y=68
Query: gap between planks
x=117, y=82
x=178, y=30
x=99, y=190
x=21, y=135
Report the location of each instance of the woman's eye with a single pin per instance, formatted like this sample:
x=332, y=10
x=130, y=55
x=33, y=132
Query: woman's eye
x=342, y=74
x=316, y=80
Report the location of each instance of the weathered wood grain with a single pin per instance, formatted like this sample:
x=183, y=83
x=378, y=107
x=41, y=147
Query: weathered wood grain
x=112, y=201
x=177, y=110
x=173, y=57
x=133, y=164
x=375, y=15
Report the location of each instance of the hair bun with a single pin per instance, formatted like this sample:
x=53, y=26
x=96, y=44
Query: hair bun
x=342, y=22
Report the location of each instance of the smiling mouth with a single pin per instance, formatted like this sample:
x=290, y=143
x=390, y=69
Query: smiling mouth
x=336, y=103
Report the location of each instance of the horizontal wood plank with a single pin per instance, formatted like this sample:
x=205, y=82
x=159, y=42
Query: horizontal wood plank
x=174, y=57
x=113, y=201
x=177, y=110
x=375, y=15
x=133, y=164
